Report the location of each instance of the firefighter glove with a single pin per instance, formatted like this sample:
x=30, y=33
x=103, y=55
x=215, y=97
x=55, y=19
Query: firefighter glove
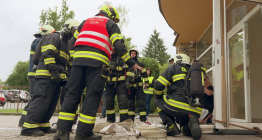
x=55, y=77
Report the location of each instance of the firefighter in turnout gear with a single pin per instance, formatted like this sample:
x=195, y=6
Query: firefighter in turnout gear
x=115, y=85
x=45, y=29
x=135, y=84
x=50, y=76
x=175, y=104
x=94, y=40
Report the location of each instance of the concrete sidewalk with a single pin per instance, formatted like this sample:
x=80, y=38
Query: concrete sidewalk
x=9, y=130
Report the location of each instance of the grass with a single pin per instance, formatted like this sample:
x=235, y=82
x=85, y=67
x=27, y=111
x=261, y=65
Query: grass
x=10, y=110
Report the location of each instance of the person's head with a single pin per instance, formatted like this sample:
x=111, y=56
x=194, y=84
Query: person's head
x=148, y=71
x=70, y=27
x=206, y=80
x=111, y=12
x=171, y=61
x=133, y=53
x=182, y=58
x=45, y=29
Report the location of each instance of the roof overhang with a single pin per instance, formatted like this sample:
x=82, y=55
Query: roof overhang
x=189, y=18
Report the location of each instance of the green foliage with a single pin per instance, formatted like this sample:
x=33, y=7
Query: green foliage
x=56, y=19
x=128, y=43
x=152, y=64
x=18, y=77
x=122, y=11
x=155, y=48
x=162, y=68
x=1, y=82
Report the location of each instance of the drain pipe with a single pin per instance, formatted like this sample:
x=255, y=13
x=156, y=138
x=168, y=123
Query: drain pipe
x=226, y=65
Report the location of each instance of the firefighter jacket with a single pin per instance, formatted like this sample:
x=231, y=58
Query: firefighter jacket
x=174, y=76
x=151, y=85
x=54, y=56
x=31, y=72
x=94, y=40
x=71, y=49
x=118, y=70
x=135, y=78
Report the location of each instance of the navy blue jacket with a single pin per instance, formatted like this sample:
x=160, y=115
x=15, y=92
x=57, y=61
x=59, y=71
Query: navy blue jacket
x=31, y=73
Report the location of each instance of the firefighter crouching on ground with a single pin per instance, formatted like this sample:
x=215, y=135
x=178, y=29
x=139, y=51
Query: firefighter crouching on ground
x=95, y=38
x=45, y=29
x=175, y=104
x=115, y=85
x=135, y=84
x=50, y=75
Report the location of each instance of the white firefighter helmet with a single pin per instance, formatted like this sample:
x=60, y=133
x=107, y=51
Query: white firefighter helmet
x=45, y=29
x=134, y=49
x=182, y=58
x=70, y=25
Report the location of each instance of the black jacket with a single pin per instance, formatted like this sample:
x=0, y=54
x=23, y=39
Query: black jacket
x=137, y=76
x=174, y=77
x=54, y=56
x=31, y=72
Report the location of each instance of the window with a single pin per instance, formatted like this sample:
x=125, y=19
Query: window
x=204, y=51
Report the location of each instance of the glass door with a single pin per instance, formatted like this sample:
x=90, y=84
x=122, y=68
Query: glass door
x=237, y=75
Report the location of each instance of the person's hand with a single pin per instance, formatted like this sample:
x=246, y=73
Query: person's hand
x=127, y=85
x=137, y=67
x=55, y=77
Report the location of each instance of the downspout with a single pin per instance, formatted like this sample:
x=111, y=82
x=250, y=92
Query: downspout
x=226, y=65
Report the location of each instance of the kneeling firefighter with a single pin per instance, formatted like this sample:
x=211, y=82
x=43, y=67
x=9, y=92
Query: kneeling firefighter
x=115, y=85
x=135, y=84
x=186, y=86
x=53, y=56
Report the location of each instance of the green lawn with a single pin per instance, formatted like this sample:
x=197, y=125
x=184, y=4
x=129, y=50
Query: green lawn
x=10, y=110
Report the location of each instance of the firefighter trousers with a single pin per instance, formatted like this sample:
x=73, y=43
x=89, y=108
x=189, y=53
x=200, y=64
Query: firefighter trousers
x=121, y=93
x=42, y=107
x=179, y=109
x=31, y=90
x=139, y=95
x=81, y=77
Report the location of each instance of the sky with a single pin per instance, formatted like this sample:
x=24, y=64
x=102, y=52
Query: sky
x=20, y=20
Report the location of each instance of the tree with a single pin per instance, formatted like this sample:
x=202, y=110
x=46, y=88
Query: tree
x=18, y=77
x=122, y=11
x=152, y=64
x=1, y=82
x=162, y=68
x=128, y=43
x=55, y=19
x=155, y=48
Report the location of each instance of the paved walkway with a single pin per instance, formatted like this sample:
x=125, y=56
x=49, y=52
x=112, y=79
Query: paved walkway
x=9, y=130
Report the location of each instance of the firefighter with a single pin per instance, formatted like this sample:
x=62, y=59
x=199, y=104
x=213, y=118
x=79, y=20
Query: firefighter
x=50, y=76
x=148, y=92
x=94, y=40
x=115, y=85
x=135, y=84
x=45, y=29
x=171, y=61
x=175, y=104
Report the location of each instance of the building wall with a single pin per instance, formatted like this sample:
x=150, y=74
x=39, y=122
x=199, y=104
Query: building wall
x=184, y=48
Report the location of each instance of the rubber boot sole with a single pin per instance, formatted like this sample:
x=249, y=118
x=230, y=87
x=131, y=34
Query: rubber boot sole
x=195, y=129
x=92, y=137
x=57, y=137
x=38, y=134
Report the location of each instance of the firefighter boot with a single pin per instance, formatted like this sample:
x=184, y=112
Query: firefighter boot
x=35, y=134
x=171, y=128
x=195, y=129
x=88, y=137
x=61, y=136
